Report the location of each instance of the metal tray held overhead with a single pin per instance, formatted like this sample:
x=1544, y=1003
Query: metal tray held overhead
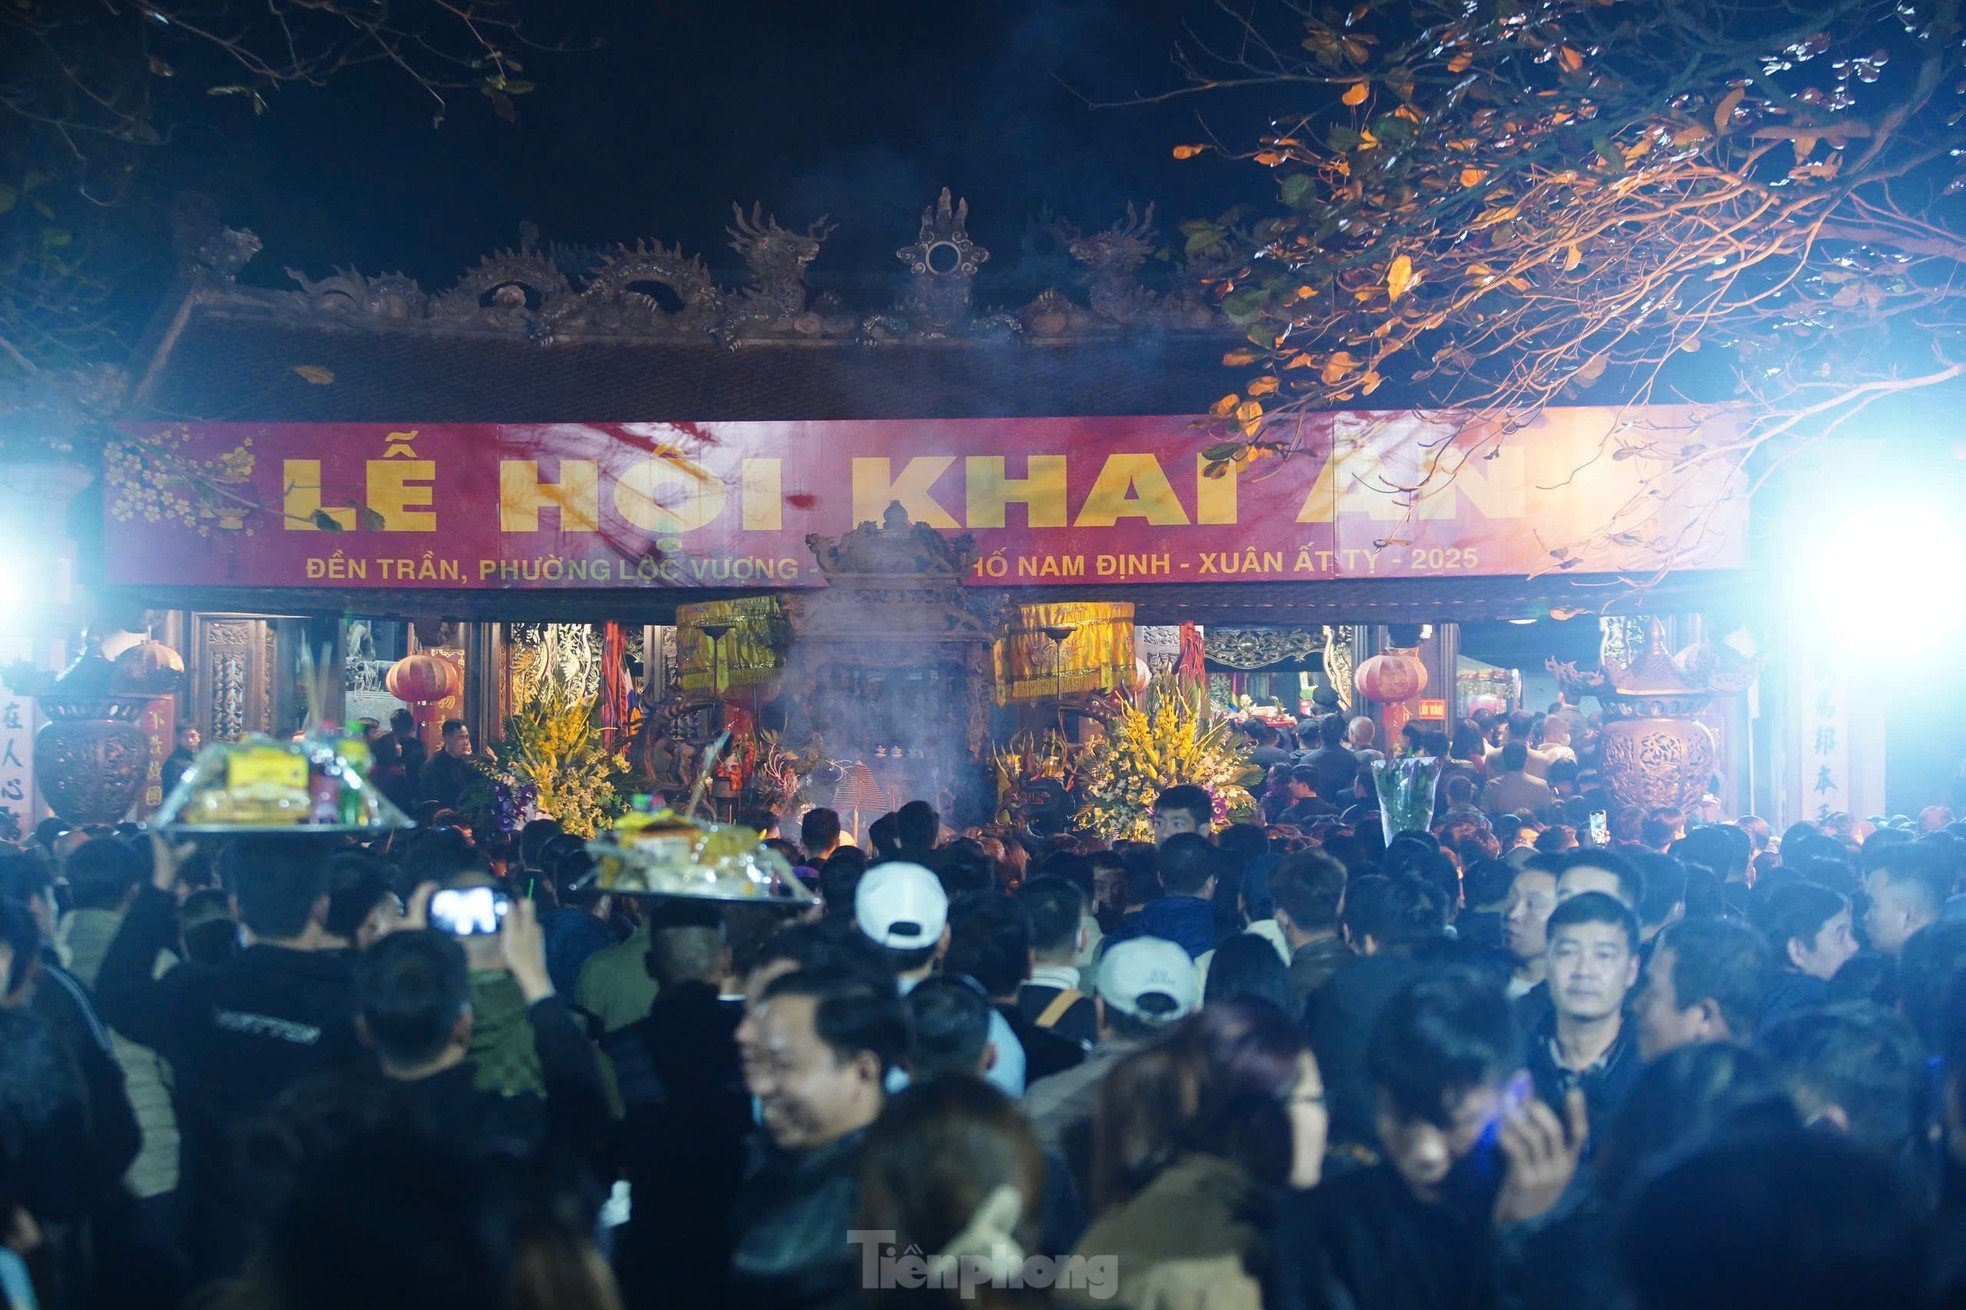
x=267, y=781
x=663, y=856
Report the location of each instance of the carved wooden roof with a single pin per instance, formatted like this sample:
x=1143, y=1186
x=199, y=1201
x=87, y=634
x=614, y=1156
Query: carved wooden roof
x=543, y=332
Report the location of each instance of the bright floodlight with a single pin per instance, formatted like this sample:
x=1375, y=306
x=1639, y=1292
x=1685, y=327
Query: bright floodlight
x=1878, y=574
x=16, y=597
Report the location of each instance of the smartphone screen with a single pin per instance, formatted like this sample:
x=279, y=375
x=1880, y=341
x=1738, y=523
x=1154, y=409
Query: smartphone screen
x=469, y=911
x=1474, y=1182
x=1600, y=828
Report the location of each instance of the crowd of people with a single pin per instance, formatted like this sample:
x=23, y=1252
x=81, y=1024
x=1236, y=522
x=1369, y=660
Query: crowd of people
x=1535, y=773
x=1284, y=1064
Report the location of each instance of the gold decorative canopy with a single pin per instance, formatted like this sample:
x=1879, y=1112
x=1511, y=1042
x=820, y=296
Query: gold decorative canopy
x=753, y=633
x=1068, y=648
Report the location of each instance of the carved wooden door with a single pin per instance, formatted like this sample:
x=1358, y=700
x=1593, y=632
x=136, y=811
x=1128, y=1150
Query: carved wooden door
x=235, y=683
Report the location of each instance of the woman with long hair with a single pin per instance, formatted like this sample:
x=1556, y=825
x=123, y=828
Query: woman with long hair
x=1196, y=1136
x=952, y=1173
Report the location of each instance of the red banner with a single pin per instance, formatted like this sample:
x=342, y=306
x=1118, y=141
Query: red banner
x=1050, y=501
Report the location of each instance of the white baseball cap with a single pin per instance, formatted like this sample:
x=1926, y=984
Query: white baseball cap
x=901, y=906
x=1149, y=979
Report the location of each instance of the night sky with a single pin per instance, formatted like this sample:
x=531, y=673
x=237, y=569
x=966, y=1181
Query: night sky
x=862, y=109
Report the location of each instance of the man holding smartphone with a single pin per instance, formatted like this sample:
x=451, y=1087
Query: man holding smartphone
x=1468, y=1150
x=413, y=1008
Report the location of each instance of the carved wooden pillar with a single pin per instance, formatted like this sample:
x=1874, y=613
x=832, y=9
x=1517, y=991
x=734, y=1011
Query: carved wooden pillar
x=1447, y=685
x=658, y=648
x=484, y=706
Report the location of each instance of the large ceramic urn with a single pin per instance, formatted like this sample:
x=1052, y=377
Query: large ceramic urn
x=1658, y=761
x=1652, y=750
x=92, y=756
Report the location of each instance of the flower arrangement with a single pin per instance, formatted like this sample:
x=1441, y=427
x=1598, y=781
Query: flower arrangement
x=555, y=750
x=1165, y=740
x=1406, y=793
x=511, y=806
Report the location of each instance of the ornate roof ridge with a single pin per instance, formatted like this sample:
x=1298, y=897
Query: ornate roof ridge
x=648, y=291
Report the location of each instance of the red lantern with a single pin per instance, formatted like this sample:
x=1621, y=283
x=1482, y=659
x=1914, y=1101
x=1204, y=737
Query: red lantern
x=1391, y=679
x=422, y=681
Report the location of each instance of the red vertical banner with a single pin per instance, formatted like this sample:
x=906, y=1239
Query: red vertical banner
x=614, y=682
x=1191, y=668
x=159, y=723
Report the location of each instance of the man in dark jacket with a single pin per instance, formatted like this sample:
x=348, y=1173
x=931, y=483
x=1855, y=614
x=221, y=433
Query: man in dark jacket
x=1051, y=998
x=236, y=1034
x=31, y=977
x=1307, y=888
x=1810, y=935
x=179, y=761
x=1301, y=803
x=1466, y=1153
x=402, y=726
x=73, y=1134
x=413, y=1006
x=413, y=1009
x=1587, y=1042
x=1184, y=915
x=822, y=1045
x=990, y=946
x=447, y=777
x=1385, y=920
x=582, y=926
x=686, y=1116
x=1337, y=767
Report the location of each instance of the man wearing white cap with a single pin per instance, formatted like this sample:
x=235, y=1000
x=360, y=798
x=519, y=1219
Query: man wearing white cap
x=1146, y=985
x=903, y=908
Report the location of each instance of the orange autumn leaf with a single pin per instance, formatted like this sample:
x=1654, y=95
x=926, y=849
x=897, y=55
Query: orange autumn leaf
x=1250, y=415
x=1473, y=176
x=1262, y=386
x=1225, y=406
x=1188, y=152
x=1723, y=113
x=1238, y=358
x=1354, y=94
x=1570, y=59
x=1399, y=276
x=1460, y=63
